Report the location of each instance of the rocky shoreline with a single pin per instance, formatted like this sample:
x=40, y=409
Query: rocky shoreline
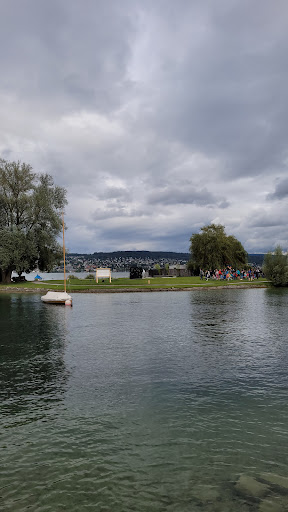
x=265, y=492
x=268, y=490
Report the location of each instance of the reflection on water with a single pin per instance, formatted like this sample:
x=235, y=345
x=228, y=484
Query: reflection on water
x=156, y=402
x=32, y=368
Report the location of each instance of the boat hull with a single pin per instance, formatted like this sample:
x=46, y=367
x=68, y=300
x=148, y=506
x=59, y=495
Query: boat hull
x=57, y=298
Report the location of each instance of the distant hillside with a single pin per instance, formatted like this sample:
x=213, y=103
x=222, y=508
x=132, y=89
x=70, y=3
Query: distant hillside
x=257, y=259
x=137, y=255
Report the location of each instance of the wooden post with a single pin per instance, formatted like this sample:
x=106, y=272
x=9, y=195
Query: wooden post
x=64, y=252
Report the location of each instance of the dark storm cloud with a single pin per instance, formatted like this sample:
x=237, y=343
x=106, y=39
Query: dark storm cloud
x=150, y=114
x=227, y=95
x=71, y=54
x=114, y=193
x=186, y=195
x=130, y=234
x=281, y=190
x=178, y=242
x=133, y=236
x=112, y=212
x=266, y=220
x=6, y=153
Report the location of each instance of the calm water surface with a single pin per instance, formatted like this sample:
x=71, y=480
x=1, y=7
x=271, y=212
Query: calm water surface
x=141, y=402
x=52, y=276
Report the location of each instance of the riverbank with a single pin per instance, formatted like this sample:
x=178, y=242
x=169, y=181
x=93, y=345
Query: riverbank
x=118, y=286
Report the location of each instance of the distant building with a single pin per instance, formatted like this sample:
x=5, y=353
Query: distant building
x=179, y=271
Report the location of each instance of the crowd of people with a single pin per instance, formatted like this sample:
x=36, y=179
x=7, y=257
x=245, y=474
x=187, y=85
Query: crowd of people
x=230, y=273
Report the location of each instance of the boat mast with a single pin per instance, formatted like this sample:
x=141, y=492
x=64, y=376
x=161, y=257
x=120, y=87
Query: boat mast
x=64, y=252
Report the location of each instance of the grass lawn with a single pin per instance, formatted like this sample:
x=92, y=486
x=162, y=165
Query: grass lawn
x=130, y=284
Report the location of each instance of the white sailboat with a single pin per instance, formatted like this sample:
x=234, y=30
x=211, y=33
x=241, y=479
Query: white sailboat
x=59, y=297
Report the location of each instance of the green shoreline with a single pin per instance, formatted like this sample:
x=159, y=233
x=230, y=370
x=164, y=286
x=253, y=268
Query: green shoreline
x=131, y=288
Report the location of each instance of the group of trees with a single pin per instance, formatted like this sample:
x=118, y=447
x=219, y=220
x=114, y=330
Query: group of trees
x=30, y=219
x=212, y=248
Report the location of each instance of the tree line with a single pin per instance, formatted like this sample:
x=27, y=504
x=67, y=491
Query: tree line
x=212, y=249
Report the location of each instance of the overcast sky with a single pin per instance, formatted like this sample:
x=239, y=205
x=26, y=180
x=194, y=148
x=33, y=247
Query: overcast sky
x=157, y=116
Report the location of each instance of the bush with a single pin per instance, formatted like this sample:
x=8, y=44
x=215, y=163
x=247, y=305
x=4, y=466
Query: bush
x=90, y=276
x=276, y=267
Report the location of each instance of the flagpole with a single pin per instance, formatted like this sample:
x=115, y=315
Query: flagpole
x=64, y=252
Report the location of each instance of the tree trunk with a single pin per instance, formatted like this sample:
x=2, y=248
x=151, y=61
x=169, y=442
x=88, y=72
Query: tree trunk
x=6, y=276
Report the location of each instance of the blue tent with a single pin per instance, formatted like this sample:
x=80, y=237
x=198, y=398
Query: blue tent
x=37, y=278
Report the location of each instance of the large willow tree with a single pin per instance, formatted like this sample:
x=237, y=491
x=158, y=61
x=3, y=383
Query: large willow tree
x=212, y=249
x=30, y=219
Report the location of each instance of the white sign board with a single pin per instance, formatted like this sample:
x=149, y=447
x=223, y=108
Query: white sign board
x=103, y=272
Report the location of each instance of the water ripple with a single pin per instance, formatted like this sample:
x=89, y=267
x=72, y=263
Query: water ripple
x=156, y=402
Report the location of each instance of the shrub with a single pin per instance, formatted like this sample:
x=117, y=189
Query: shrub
x=90, y=276
x=276, y=267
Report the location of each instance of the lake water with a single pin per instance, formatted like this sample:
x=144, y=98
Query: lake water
x=51, y=276
x=142, y=402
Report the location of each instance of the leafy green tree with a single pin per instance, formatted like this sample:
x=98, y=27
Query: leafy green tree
x=212, y=249
x=30, y=219
x=158, y=268
x=276, y=267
